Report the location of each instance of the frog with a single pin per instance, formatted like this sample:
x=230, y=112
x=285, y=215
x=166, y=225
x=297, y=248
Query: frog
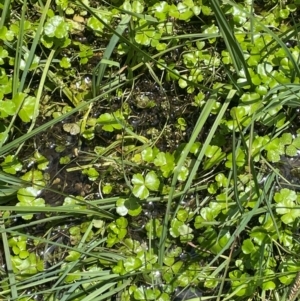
x=290, y=171
x=54, y=254
x=143, y=101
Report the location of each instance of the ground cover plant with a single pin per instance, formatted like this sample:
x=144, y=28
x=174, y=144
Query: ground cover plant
x=149, y=150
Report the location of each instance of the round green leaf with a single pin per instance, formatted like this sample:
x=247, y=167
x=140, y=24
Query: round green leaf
x=27, y=104
x=296, y=142
x=42, y=161
x=291, y=150
x=140, y=191
x=95, y=24
x=122, y=223
x=175, y=225
x=132, y=264
x=160, y=159
x=73, y=256
x=284, y=13
x=151, y=181
x=11, y=164
x=183, y=173
x=92, y=173
x=7, y=108
x=56, y=27
x=184, y=230
x=27, y=195
x=23, y=254
x=268, y=284
x=133, y=206
x=137, y=179
x=64, y=160
x=65, y=62
x=248, y=246
x=121, y=208
x=35, y=177
x=182, y=215
x=109, y=122
x=147, y=154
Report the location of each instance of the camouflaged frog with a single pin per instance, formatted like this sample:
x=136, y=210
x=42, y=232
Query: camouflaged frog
x=290, y=170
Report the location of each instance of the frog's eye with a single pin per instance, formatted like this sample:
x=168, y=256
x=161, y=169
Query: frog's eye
x=71, y=128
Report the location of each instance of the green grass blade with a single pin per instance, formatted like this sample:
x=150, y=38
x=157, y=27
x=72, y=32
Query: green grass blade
x=235, y=149
x=199, y=126
x=39, y=94
x=10, y=272
x=5, y=10
x=35, y=42
x=246, y=217
x=19, y=51
x=232, y=45
x=209, y=138
x=61, y=209
x=101, y=67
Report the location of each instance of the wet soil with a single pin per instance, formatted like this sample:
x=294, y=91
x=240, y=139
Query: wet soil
x=153, y=122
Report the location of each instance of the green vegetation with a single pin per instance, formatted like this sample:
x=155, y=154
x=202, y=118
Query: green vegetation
x=149, y=150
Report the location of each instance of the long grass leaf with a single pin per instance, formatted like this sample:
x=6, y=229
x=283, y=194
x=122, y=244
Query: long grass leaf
x=18, y=54
x=235, y=151
x=246, y=218
x=101, y=67
x=39, y=95
x=209, y=138
x=34, y=44
x=23, y=210
x=199, y=126
x=11, y=274
x=5, y=10
x=232, y=45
